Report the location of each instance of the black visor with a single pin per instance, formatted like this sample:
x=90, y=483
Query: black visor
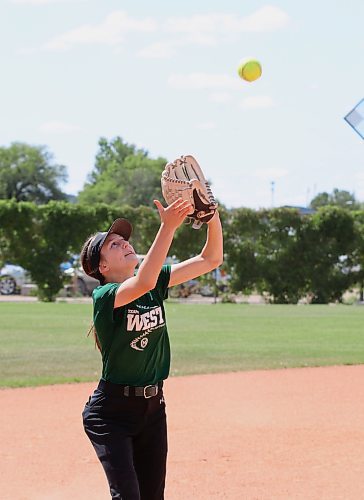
x=119, y=226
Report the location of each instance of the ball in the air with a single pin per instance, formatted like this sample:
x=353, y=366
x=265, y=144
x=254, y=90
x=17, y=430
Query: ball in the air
x=250, y=70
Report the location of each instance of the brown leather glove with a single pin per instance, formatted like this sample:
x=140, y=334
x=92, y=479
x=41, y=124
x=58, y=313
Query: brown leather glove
x=184, y=179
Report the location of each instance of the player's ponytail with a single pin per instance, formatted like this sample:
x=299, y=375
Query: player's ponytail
x=94, y=333
x=97, y=275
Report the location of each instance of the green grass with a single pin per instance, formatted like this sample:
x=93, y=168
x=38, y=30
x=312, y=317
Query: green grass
x=46, y=343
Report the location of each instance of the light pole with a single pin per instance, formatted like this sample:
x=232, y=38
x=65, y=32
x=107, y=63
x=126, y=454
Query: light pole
x=272, y=184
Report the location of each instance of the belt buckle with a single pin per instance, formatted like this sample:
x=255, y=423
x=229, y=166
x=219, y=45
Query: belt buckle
x=152, y=395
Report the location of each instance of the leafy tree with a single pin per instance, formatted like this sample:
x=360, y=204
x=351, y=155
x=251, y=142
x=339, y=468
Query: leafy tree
x=358, y=256
x=40, y=237
x=283, y=275
x=263, y=253
x=123, y=175
x=291, y=256
x=338, y=198
x=243, y=229
x=27, y=173
x=328, y=249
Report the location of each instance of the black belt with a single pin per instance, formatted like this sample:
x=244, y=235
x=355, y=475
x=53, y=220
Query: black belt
x=146, y=391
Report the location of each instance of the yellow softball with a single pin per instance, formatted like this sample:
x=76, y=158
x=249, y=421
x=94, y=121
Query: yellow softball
x=250, y=70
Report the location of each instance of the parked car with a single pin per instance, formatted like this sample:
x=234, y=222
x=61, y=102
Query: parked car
x=184, y=290
x=80, y=282
x=12, y=278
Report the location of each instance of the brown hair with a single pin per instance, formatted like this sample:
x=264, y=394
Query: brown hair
x=86, y=264
x=94, y=333
x=86, y=267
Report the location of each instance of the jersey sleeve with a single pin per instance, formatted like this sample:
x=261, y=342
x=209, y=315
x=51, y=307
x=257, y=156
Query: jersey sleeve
x=163, y=281
x=103, y=299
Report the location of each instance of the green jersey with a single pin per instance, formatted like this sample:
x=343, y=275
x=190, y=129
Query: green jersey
x=133, y=338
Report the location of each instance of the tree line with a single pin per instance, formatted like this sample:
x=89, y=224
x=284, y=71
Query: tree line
x=279, y=252
x=121, y=175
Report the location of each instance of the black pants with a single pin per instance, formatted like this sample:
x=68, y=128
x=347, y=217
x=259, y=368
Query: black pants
x=129, y=434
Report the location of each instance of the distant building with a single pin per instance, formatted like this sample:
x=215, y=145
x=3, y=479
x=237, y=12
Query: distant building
x=71, y=198
x=302, y=210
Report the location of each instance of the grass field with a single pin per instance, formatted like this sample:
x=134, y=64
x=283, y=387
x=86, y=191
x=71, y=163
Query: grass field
x=46, y=343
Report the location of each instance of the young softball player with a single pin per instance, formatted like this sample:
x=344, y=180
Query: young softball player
x=125, y=417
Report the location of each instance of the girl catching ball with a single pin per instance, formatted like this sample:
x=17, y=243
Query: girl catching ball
x=125, y=418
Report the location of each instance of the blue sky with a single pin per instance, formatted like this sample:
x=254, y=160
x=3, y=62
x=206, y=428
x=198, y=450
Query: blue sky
x=163, y=75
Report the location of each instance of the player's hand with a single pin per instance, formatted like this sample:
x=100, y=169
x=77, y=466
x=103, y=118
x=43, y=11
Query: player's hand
x=173, y=215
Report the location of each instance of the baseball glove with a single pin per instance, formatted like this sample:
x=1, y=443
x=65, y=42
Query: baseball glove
x=184, y=179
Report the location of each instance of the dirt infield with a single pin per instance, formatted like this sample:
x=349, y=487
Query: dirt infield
x=285, y=434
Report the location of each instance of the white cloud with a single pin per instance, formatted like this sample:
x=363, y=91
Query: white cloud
x=164, y=50
x=58, y=127
x=209, y=29
x=258, y=101
x=267, y=18
x=45, y=2
x=111, y=31
x=201, y=81
x=203, y=30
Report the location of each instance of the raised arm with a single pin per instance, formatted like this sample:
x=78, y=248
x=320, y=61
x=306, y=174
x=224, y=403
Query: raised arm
x=147, y=276
x=210, y=258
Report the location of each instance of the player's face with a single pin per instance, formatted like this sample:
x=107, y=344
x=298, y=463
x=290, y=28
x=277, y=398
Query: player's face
x=118, y=253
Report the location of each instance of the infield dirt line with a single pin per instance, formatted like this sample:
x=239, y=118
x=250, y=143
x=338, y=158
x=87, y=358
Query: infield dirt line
x=282, y=434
